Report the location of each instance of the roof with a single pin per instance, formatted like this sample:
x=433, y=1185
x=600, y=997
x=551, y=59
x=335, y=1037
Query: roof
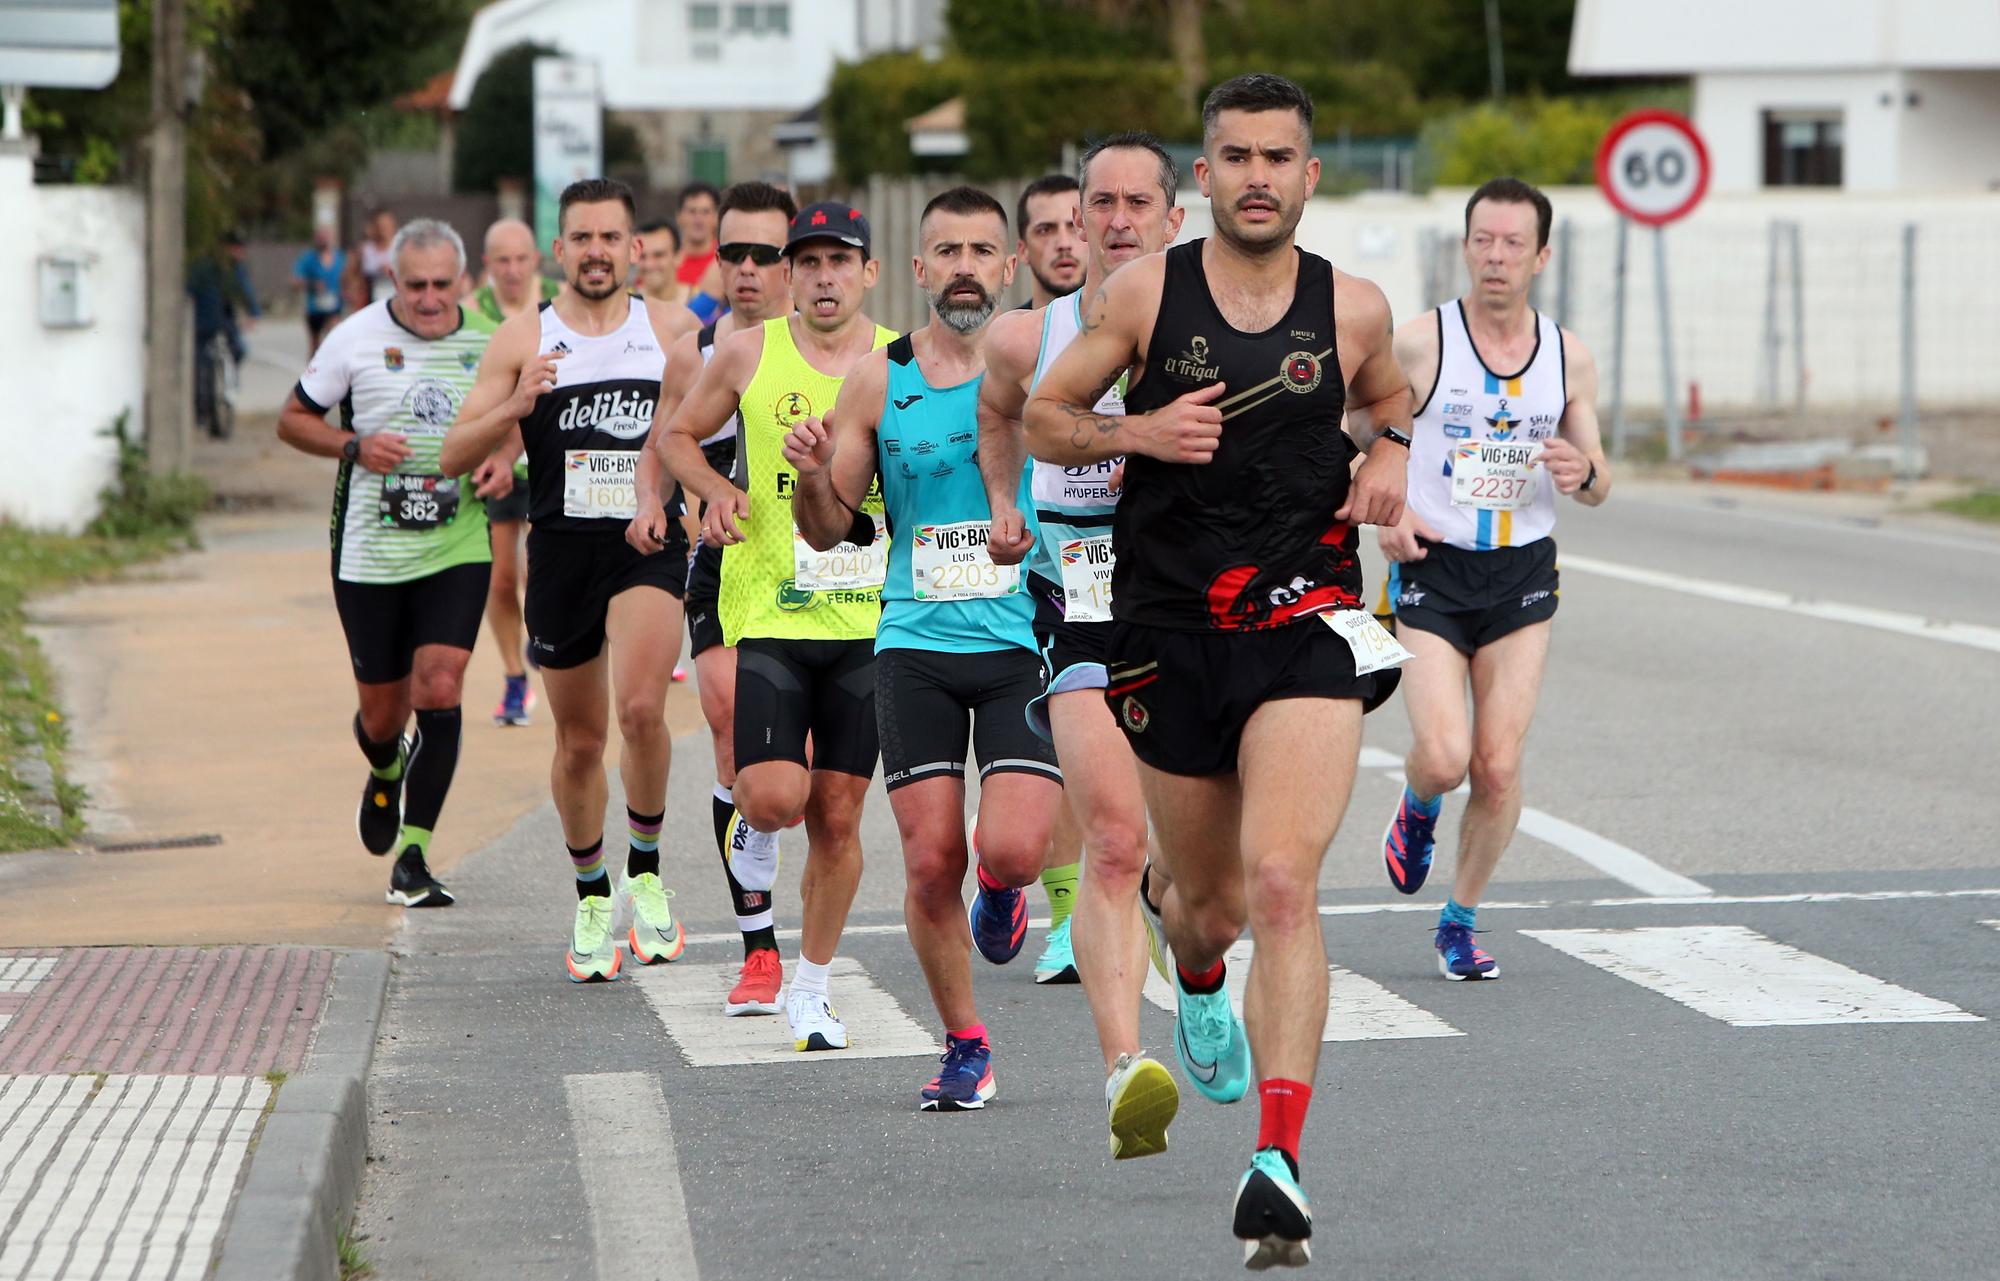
x=433, y=96
x=947, y=117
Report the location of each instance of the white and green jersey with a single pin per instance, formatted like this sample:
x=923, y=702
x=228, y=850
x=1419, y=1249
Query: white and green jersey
x=413, y=522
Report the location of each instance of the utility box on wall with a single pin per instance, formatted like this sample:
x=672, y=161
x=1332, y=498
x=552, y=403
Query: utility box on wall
x=67, y=301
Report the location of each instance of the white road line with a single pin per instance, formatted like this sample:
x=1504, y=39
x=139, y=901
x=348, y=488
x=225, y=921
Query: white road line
x=1357, y=1009
x=1969, y=634
x=1376, y=758
x=22, y=973
x=1747, y=980
x=688, y=999
x=639, y=1222
x=1864, y=526
x=1693, y=900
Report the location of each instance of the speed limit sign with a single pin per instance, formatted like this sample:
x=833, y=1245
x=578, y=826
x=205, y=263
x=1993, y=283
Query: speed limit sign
x=1652, y=167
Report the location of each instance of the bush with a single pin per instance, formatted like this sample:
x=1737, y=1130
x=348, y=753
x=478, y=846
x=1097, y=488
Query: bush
x=867, y=102
x=1369, y=99
x=141, y=506
x=1546, y=141
x=1017, y=118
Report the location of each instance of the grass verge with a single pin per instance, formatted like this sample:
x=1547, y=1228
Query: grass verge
x=354, y=1265
x=142, y=517
x=1982, y=504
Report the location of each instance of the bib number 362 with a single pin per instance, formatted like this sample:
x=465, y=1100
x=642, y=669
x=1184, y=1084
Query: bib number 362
x=950, y=562
x=418, y=502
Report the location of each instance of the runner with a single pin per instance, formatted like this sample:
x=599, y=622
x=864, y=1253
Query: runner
x=1472, y=573
x=1129, y=185
x=1050, y=242
x=755, y=220
x=317, y=275
x=1235, y=535
x=514, y=284
x=576, y=383
x=410, y=556
x=955, y=651
x=659, y=260
x=696, y=215
x=370, y=276
x=803, y=625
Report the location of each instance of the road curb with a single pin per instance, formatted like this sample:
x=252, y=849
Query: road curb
x=306, y=1171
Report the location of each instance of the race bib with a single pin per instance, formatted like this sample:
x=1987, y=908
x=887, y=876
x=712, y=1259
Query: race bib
x=846, y=567
x=949, y=562
x=1495, y=475
x=418, y=502
x=1086, y=574
x=601, y=484
x=1374, y=648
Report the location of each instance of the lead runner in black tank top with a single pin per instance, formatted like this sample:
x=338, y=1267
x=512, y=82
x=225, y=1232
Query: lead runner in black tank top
x=1247, y=540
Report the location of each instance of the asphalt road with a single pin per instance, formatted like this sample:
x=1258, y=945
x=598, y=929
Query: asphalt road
x=1615, y=1106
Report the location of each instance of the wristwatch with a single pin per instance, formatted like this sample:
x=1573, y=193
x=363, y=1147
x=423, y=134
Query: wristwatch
x=1589, y=480
x=350, y=449
x=1390, y=433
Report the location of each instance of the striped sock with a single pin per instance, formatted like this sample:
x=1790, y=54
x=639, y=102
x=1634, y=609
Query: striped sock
x=644, y=853
x=1060, y=882
x=589, y=863
x=1457, y=913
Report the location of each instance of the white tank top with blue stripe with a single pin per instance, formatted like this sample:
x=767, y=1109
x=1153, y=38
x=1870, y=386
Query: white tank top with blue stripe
x=1484, y=424
x=1071, y=503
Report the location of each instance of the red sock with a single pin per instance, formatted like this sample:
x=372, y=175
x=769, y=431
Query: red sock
x=1284, y=1115
x=986, y=882
x=977, y=1032
x=1202, y=981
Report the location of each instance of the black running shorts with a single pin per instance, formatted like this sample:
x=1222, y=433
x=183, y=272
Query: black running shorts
x=1072, y=653
x=513, y=507
x=1183, y=698
x=1474, y=598
x=704, y=584
x=929, y=704
x=572, y=578
x=786, y=689
x=386, y=622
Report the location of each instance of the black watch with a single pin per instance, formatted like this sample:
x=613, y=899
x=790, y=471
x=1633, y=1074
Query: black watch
x=1390, y=433
x=1589, y=480
x=350, y=449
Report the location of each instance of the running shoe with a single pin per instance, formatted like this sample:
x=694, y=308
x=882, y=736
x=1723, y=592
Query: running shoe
x=1459, y=958
x=379, y=821
x=655, y=935
x=965, y=1082
x=1057, y=964
x=1143, y=1099
x=515, y=702
x=1156, y=929
x=680, y=673
x=1213, y=1047
x=757, y=984
x=412, y=885
x=1408, y=843
x=593, y=945
x=753, y=855
x=1273, y=1218
x=999, y=923
x=815, y=1026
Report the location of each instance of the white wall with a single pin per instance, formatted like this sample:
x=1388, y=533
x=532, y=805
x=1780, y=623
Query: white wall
x=1646, y=37
x=1949, y=138
x=1729, y=112
x=1718, y=260
x=59, y=388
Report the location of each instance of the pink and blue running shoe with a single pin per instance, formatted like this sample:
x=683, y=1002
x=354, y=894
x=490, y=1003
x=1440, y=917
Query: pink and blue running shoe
x=1459, y=958
x=1410, y=840
x=965, y=1082
x=999, y=921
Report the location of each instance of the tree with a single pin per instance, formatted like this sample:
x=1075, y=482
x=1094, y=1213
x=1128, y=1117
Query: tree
x=496, y=132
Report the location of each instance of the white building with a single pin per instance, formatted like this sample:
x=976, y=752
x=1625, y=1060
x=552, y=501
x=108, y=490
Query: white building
x=707, y=83
x=1862, y=95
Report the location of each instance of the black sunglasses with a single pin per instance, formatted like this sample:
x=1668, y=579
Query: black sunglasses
x=737, y=251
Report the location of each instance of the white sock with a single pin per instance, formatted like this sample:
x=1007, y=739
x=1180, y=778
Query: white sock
x=727, y=795
x=808, y=976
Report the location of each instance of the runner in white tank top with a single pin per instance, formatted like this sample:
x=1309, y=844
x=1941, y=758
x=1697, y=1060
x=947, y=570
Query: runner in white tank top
x=1506, y=422
x=1127, y=212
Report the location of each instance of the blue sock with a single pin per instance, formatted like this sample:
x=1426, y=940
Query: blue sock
x=1428, y=808
x=1457, y=913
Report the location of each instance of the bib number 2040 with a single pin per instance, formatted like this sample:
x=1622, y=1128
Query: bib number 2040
x=418, y=502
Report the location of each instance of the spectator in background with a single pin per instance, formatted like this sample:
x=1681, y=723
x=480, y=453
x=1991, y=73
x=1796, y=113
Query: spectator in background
x=368, y=275
x=224, y=303
x=659, y=260
x=699, y=275
x=317, y=275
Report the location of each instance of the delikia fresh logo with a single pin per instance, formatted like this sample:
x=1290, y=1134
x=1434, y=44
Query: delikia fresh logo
x=392, y=359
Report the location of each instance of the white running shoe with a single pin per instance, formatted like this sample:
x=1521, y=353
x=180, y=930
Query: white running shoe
x=753, y=855
x=815, y=1026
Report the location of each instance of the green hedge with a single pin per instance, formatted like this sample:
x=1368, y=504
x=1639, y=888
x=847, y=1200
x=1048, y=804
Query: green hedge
x=1546, y=141
x=867, y=103
x=1371, y=99
x=1018, y=118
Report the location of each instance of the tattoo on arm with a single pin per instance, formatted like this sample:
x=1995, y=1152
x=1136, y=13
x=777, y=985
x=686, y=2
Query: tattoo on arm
x=1089, y=425
x=1091, y=317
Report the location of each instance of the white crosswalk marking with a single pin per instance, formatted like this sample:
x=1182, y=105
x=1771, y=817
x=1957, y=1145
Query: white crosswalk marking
x=1745, y=979
x=688, y=999
x=631, y=1177
x=1357, y=1009
x=21, y=973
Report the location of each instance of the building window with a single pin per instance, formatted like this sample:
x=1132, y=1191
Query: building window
x=704, y=17
x=778, y=19
x=1802, y=148
x=708, y=162
x=743, y=18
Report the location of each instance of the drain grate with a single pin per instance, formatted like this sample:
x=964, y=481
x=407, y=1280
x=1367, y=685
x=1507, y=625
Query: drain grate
x=161, y=843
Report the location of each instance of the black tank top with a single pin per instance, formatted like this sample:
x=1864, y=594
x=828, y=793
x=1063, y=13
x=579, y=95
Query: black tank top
x=606, y=388
x=1247, y=540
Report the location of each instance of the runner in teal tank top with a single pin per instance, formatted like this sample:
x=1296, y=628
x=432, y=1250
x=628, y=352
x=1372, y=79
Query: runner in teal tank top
x=942, y=591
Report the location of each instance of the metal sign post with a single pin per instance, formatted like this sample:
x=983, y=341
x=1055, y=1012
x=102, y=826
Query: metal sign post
x=1618, y=346
x=1653, y=168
